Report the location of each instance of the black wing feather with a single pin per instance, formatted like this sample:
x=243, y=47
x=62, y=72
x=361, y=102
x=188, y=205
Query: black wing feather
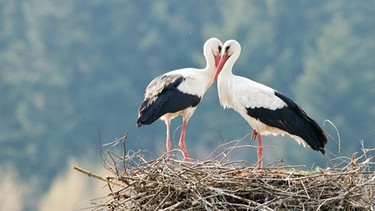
x=293, y=120
x=162, y=96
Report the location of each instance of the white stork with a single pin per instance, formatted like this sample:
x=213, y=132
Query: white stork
x=266, y=110
x=178, y=93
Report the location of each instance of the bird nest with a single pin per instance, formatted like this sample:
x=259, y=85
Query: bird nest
x=221, y=184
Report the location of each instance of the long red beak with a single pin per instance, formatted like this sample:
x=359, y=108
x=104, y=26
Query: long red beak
x=217, y=60
x=220, y=66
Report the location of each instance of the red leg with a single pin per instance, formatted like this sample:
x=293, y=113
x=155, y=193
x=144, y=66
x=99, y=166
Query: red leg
x=168, y=140
x=260, y=151
x=182, y=142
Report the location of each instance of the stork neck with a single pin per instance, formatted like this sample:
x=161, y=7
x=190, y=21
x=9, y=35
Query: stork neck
x=225, y=83
x=209, y=71
x=226, y=72
x=225, y=77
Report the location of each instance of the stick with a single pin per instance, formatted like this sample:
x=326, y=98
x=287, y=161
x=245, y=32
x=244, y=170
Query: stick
x=91, y=174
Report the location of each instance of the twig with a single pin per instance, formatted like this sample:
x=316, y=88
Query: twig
x=91, y=174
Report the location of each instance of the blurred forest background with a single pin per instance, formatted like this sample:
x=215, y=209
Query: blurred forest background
x=70, y=68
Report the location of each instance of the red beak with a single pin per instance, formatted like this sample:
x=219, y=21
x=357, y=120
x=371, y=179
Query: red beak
x=217, y=60
x=220, y=66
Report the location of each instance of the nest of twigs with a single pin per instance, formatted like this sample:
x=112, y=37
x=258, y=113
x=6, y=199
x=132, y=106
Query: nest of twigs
x=220, y=184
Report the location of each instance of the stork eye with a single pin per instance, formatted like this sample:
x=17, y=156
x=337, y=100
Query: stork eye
x=219, y=49
x=227, y=48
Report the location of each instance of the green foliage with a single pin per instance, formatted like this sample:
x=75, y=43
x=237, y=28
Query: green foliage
x=68, y=68
x=338, y=80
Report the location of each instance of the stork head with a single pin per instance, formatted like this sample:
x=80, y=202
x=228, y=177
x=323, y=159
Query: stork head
x=230, y=53
x=212, y=47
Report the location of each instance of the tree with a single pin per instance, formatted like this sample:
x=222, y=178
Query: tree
x=338, y=80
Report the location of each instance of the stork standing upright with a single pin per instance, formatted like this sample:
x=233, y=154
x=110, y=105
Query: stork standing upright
x=178, y=93
x=266, y=110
